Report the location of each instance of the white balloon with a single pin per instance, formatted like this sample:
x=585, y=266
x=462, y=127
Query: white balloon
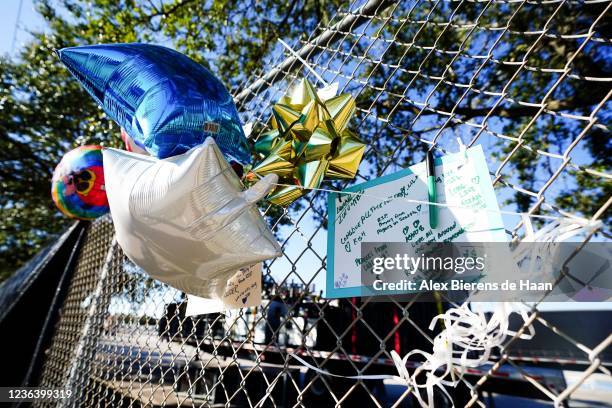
x=186, y=220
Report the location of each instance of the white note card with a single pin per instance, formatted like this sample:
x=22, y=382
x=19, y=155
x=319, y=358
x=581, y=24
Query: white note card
x=243, y=289
x=381, y=210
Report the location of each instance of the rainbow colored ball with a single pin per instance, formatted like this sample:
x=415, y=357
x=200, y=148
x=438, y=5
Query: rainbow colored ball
x=77, y=187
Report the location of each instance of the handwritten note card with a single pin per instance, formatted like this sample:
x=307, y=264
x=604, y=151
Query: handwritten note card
x=243, y=289
x=379, y=211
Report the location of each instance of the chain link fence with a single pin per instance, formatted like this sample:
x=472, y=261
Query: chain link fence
x=527, y=80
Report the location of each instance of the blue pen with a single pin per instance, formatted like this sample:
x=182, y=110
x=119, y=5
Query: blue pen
x=431, y=190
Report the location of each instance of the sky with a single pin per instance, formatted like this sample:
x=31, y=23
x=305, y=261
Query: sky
x=25, y=20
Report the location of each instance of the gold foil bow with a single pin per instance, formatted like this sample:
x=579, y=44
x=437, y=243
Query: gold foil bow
x=309, y=141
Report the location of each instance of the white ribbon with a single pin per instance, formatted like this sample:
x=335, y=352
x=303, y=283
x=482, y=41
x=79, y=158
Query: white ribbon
x=469, y=337
x=465, y=331
x=350, y=377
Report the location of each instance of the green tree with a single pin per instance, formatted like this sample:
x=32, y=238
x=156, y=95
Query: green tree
x=440, y=83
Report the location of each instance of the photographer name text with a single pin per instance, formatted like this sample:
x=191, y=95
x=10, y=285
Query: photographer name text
x=460, y=284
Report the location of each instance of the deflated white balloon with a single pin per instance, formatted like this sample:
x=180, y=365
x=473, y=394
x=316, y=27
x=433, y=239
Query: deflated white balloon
x=185, y=220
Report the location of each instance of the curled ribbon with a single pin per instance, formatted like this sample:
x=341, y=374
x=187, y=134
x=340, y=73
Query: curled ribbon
x=466, y=341
x=309, y=141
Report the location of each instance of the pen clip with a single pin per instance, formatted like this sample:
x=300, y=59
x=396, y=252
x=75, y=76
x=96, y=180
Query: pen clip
x=430, y=165
x=431, y=189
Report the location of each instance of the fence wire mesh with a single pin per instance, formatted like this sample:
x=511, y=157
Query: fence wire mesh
x=527, y=80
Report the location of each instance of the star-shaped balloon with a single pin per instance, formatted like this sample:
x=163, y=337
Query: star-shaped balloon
x=186, y=220
x=309, y=141
x=166, y=102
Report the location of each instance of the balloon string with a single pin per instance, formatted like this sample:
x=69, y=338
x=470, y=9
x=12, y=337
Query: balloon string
x=351, y=377
x=577, y=220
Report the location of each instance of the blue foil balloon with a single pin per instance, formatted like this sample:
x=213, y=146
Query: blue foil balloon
x=165, y=101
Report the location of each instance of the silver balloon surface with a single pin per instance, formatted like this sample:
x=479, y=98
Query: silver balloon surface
x=186, y=220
